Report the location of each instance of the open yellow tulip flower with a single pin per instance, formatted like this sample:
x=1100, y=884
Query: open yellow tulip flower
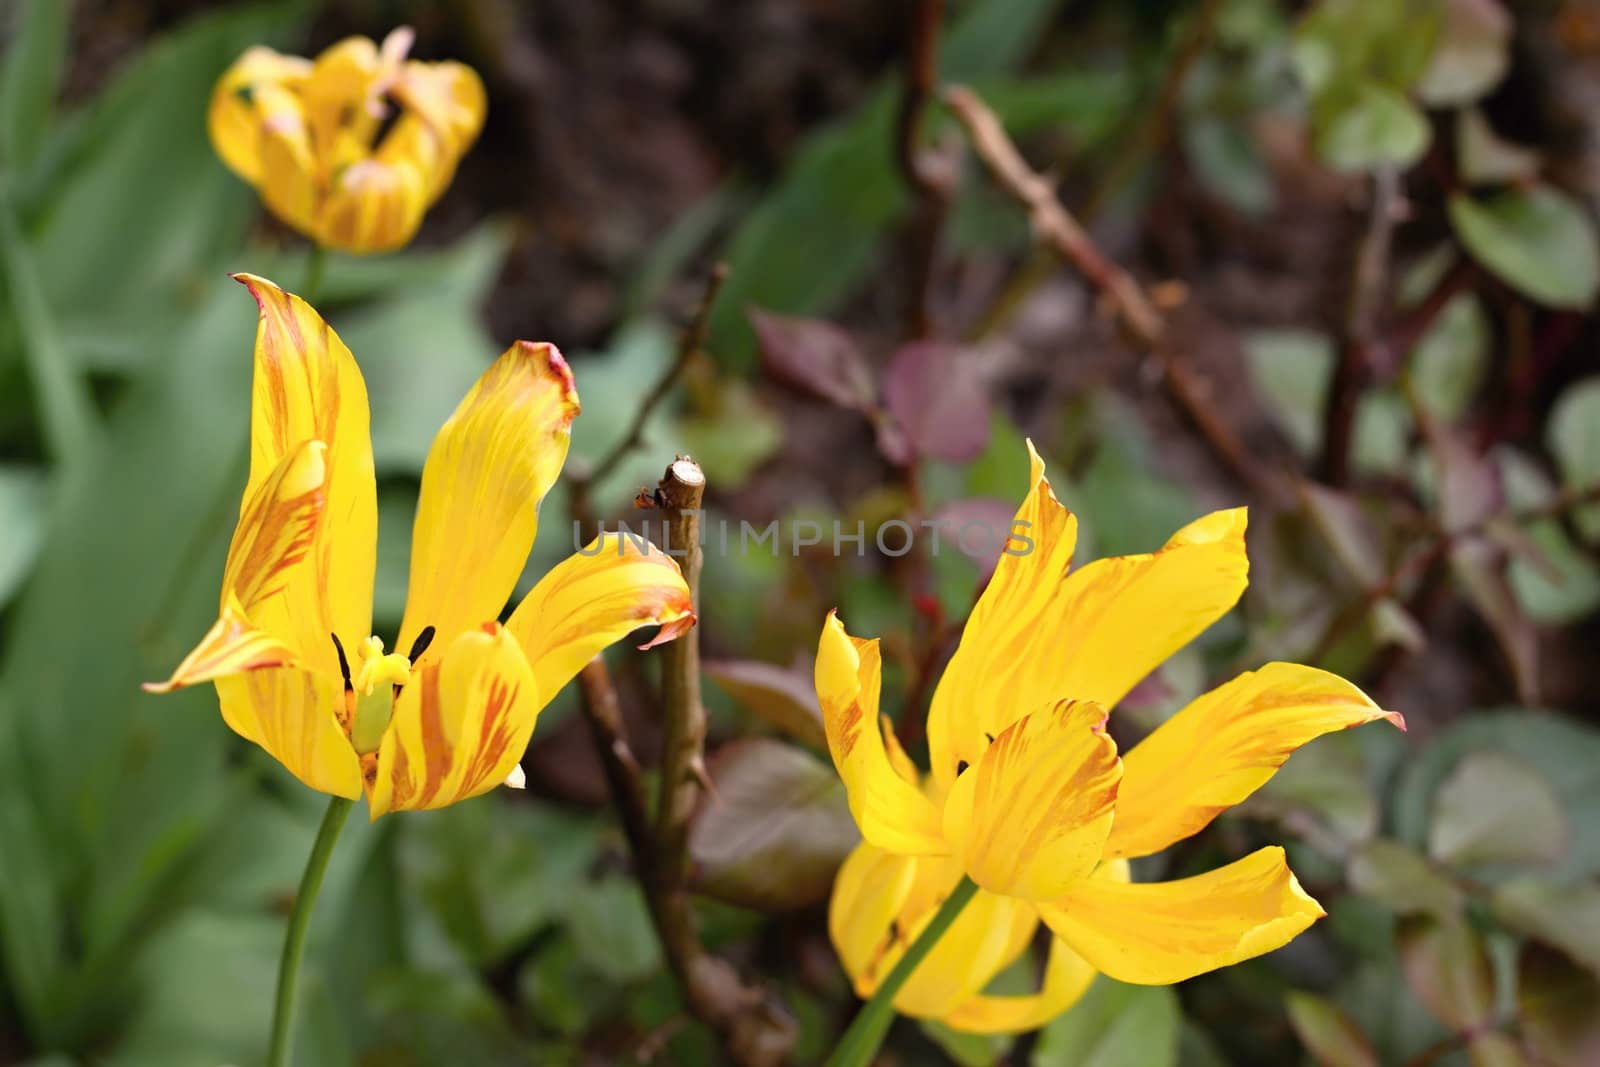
x=1030, y=799
x=352, y=148
x=448, y=713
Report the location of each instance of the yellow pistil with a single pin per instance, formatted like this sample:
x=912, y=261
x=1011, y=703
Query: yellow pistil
x=375, y=683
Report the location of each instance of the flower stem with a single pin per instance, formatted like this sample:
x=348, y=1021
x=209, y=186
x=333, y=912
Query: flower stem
x=871, y=1024
x=294, y=941
x=316, y=264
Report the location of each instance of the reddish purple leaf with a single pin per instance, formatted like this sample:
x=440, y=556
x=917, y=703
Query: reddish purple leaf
x=774, y=831
x=817, y=357
x=937, y=395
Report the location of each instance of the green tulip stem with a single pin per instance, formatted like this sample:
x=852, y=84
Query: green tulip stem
x=860, y=1042
x=294, y=941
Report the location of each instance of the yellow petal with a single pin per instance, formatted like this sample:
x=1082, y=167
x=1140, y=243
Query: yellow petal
x=868, y=892
x=1224, y=746
x=1122, y=616
x=1156, y=933
x=449, y=97
x=890, y=812
x=294, y=715
x=375, y=205
x=882, y=901
x=1030, y=818
x=231, y=646
x=342, y=94
x=1007, y=640
x=308, y=388
x=460, y=725
x=1067, y=977
x=478, y=512
x=267, y=577
x=289, y=182
x=898, y=759
x=234, y=117
x=593, y=599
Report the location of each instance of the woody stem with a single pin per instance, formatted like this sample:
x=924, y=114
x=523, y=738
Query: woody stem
x=860, y=1042
x=294, y=941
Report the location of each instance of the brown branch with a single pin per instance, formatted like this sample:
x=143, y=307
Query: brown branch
x=1141, y=321
x=755, y=1031
x=690, y=342
x=679, y=494
x=1354, y=369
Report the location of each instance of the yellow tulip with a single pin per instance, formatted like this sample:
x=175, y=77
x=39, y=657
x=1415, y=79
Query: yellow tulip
x=1029, y=798
x=350, y=149
x=294, y=666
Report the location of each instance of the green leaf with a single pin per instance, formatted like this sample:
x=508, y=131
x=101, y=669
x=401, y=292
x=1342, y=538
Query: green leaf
x=1522, y=823
x=1537, y=240
x=1114, y=1025
x=775, y=829
x=1290, y=371
x=1555, y=582
x=1573, y=437
x=1471, y=56
x=207, y=987
x=22, y=502
x=1566, y=917
x=65, y=409
x=1375, y=126
x=1449, y=364
x=1229, y=162
x=422, y=348
x=1486, y=158
x=30, y=74
x=611, y=930
x=967, y=1050
x=1403, y=880
x=145, y=127
x=1565, y=753
x=1331, y=1036
x=1448, y=968
x=495, y=873
x=1327, y=781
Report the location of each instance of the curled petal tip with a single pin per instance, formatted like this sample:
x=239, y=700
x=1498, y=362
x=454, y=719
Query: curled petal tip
x=1397, y=719
x=670, y=631
x=549, y=357
x=160, y=687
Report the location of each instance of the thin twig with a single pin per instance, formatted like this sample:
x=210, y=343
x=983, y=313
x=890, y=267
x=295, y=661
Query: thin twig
x=693, y=338
x=602, y=711
x=1141, y=321
x=1353, y=371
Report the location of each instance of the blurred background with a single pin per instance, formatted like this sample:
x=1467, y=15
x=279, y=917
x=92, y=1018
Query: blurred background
x=1366, y=228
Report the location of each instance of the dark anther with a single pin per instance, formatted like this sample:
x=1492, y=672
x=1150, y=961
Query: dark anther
x=961, y=766
x=420, y=645
x=344, y=664
x=989, y=736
